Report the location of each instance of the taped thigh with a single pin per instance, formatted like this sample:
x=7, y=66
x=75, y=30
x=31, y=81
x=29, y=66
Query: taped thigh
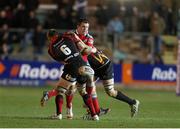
x=109, y=87
x=89, y=73
x=61, y=90
x=86, y=71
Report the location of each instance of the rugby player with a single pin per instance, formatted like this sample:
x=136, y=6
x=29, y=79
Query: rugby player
x=65, y=50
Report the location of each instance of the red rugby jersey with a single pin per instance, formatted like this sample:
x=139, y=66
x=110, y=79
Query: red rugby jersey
x=88, y=40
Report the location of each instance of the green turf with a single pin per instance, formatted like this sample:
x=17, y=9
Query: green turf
x=19, y=107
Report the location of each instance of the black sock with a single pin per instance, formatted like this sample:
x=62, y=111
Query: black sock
x=124, y=98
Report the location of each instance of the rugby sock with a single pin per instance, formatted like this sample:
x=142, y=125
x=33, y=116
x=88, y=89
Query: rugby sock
x=59, y=104
x=96, y=103
x=124, y=98
x=52, y=93
x=69, y=101
x=94, y=99
x=89, y=90
x=88, y=101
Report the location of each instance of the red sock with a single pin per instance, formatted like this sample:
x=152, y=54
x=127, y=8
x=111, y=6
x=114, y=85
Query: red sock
x=96, y=104
x=52, y=93
x=69, y=101
x=94, y=99
x=89, y=90
x=59, y=104
x=88, y=101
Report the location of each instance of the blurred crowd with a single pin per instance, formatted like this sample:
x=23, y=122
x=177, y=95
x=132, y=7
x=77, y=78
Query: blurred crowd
x=112, y=16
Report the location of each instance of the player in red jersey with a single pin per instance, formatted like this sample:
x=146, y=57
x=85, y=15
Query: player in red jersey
x=84, y=36
x=64, y=49
x=103, y=68
x=81, y=33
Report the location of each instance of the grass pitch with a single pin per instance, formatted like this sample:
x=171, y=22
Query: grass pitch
x=20, y=108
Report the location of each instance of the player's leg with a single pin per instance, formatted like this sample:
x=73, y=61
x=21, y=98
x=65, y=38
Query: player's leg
x=82, y=85
x=109, y=88
x=69, y=98
x=47, y=95
x=88, y=72
x=95, y=100
x=63, y=87
x=99, y=111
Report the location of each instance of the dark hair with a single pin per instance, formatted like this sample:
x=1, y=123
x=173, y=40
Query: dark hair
x=51, y=32
x=82, y=20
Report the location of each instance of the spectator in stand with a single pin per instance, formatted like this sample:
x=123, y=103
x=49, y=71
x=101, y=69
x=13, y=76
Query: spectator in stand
x=135, y=19
x=3, y=18
x=168, y=17
x=113, y=9
x=64, y=4
x=62, y=19
x=50, y=21
x=145, y=27
x=32, y=20
x=80, y=7
x=157, y=6
x=101, y=15
x=9, y=15
x=145, y=22
x=5, y=46
x=38, y=40
x=21, y=16
x=12, y=3
x=31, y=4
x=115, y=27
x=32, y=23
x=157, y=29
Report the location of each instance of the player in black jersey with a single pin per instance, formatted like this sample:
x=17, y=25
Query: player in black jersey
x=103, y=68
x=65, y=50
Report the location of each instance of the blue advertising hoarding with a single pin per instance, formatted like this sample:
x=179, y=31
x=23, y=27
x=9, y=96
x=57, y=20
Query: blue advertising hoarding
x=160, y=73
x=28, y=73
x=33, y=73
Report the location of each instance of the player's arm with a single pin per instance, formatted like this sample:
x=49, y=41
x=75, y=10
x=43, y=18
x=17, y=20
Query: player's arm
x=84, y=49
x=89, y=45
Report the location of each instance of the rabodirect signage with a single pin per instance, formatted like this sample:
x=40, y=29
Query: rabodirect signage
x=32, y=73
x=165, y=73
x=28, y=73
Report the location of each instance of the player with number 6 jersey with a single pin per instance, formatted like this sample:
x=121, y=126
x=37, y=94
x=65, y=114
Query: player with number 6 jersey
x=65, y=50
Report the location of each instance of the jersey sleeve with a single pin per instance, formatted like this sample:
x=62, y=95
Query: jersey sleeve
x=90, y=41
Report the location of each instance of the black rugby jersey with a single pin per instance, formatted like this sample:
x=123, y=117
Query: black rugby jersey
x=97, y=60
x=64, y=50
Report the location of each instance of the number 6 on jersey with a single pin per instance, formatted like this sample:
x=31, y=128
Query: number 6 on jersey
x=65, y=50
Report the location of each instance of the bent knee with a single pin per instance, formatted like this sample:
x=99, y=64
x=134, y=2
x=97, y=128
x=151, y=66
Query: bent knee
x=111, y=92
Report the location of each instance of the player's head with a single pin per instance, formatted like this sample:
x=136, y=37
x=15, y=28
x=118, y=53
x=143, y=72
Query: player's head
x=83, y=26
x=52, y=35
